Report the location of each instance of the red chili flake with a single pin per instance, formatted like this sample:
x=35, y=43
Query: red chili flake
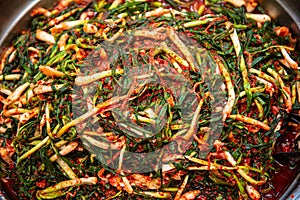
x=282, y=31
x=202, y=197
x=275, y=110
x=286, y=146
x=41, y=184
x=246, y=161
x=199, y=178
x=266, y=139
x=269, y=90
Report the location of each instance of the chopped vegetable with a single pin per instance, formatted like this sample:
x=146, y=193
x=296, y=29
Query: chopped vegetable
x=92, y=82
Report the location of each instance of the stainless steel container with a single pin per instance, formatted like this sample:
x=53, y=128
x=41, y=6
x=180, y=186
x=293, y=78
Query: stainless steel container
x=14, y=16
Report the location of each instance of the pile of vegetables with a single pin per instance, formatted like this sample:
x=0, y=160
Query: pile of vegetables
x=65, y=86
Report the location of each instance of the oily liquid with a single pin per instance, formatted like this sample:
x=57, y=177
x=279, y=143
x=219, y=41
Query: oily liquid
x=286, y=174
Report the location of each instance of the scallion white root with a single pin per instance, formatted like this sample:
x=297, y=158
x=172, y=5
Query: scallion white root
x=261, y=18
x=67, y=149
x=181, y=188
x=67, y=169
x=242, y=172
x=250, y=121
x=34, y=149
x=66, y=26
x=67, y=184
x=285, y=90
x=49, y=71
x=45, y=37
x=15, y=95
x=4, y=57
x=237, y=3
x=230, y=89
x=83, y=80
x=291, y=63
x=62, y=17
x=10, y=77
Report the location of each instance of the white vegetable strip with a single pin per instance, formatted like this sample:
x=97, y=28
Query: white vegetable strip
x=10, y=77
x=27, y=96
x=92, y=112
x=242, y=65
x=268, y=85
x=250, y=121
x=14, y=111
x=294, y=94
x=45, y=37
x=12, y=56
x=157, y=12
x=253, y=193
x=145, y=33
x=174, y=55
x=4, y=57
x=181, y=46
x=67, y=169
x=69, y=183
x=293, y=64
x=237, y=3
x=211, y=167
x=181, y=188
x=15, y=95
x=121, y=157
x=28, y=115
x=175, y=12
x=193, y=127
x=34, y=149
x=104, y=145
x=115, y=4
x=261, y=18
x=263, y=75
x=49, y=71
x=242, y=172
x=160, y=195
x=139, y=118
x=83, y=80
x=126, y=182
x=4, y=154
x=176, y=66
x=40, y=89
x=201, y=21
x=5, y=91
x=230, y=89
x=67, y=149
x=285, y=90
x=120, y=31
x=190, y=195
x=90, y=28
x=62, y=41
x=153, y=13
x=254, y=89
x=66, y=26
x=34, y=50
x=208, y=165
x=47, y=119
x=62, y=17
x=39, y=11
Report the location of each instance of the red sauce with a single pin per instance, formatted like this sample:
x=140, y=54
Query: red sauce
x=8, y=189
x=285, y=175
x=283, y=178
